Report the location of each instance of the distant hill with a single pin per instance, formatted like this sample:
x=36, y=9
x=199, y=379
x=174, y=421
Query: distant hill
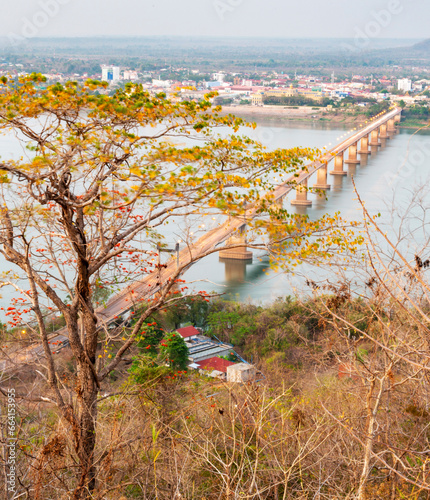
x=414, y=54
x=422, y=46
x=79, y=55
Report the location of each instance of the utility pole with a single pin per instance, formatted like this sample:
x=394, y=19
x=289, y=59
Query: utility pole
x=169, y=250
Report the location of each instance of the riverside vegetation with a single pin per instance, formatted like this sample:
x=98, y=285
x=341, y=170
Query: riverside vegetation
x=302, y=430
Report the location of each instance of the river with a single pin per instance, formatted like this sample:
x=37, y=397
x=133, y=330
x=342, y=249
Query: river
x=393, y=173
x=388, y=179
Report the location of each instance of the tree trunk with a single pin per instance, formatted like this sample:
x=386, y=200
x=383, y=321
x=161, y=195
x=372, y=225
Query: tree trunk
x=86, y=442
x=370, y=433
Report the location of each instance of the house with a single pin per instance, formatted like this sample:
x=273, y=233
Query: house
x=200, y=347
x=215, y=363
x=257, y=99
x=215, y=367
x=188, y=332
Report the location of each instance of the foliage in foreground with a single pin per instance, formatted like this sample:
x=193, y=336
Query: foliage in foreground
x=300, y=433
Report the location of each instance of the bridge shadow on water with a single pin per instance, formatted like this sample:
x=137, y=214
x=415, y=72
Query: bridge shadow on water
x=243, y=273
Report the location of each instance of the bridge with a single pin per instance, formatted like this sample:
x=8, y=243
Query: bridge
x=381, y=128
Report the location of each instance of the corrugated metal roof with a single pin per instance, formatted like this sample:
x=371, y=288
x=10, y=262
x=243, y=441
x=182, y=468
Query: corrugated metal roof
x=209, y=352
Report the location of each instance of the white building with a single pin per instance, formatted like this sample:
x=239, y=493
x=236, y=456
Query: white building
x=218, y=77
x=241, y=372
x=247, y=83
x=404, y=85
x=110, y=73
x=165, y=84
x=131, y=75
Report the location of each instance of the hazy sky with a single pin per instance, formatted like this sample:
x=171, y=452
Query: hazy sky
x=256, y=18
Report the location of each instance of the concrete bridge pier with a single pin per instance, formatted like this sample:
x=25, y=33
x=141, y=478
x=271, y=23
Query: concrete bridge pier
x=302, y=195
x=391, y=126
x=240, y=252
x=322, y=178
x=374, y=138
x=397, y=120
x=383, y=131
x=364, y=147
x=338, y=165
x=352, y=157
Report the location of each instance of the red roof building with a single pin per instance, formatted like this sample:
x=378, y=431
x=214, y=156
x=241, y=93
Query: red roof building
x=187, y=332
x=244, y=88
x=216, y=363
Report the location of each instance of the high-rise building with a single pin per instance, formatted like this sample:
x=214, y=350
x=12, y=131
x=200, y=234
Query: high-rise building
x=110, y=73
x=405, y=85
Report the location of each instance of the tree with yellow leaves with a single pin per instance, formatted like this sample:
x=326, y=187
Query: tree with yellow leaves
x=83, y=209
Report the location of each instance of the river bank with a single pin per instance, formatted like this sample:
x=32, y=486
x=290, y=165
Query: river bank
x=308, y=114
x=412, y=124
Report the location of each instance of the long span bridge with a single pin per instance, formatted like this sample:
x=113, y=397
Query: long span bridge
x=381, y=128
